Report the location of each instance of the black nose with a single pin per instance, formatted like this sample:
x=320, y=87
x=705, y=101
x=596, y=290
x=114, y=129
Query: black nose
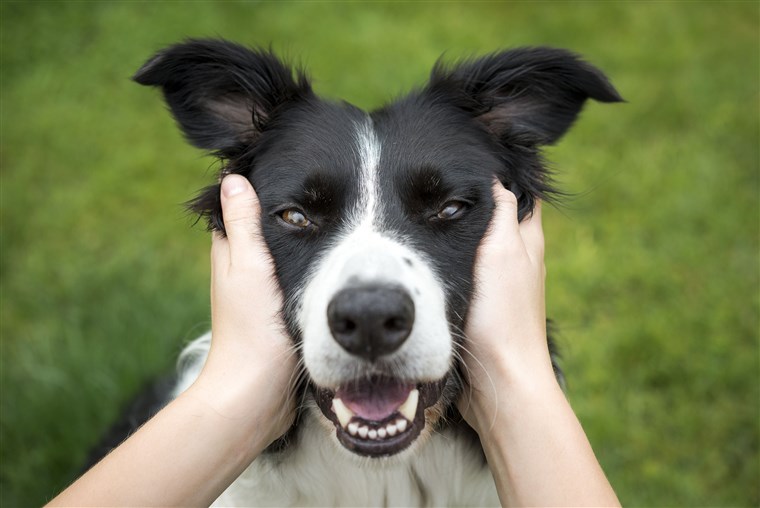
x=371, y=321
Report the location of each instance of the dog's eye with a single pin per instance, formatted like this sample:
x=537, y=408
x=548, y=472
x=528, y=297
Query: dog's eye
x=296, y=218
x=451, y=210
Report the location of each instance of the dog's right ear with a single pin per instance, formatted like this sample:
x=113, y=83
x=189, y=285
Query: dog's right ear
x=220, y=93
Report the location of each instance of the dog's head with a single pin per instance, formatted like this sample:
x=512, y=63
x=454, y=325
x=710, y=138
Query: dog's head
x=373, y=219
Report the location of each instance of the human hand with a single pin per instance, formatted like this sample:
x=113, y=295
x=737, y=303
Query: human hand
x=506, y=325
x=196, y=446
x=535, y=446
x=251, y=366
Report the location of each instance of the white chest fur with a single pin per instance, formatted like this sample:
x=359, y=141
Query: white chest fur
x=444, y=471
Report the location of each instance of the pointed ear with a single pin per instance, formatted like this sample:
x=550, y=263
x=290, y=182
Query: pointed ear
x=221, y=94
x=528, y=95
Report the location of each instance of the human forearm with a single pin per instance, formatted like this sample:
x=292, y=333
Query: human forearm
x=163, y=465
x=195, y=447
x=535, y=445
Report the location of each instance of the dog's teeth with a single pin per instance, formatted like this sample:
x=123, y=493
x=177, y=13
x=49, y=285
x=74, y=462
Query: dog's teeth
x=342, y=412
x=354, y=428
x=409, y=407
x=390, y=430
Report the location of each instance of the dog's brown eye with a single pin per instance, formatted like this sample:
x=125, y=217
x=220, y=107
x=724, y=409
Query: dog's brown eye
x=295, y=218
x=450, y=210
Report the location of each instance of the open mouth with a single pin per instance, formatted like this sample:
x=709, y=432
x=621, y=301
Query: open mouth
x=378, y=416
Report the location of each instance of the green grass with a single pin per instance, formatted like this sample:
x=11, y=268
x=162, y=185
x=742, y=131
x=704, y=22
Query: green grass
x=653, y=265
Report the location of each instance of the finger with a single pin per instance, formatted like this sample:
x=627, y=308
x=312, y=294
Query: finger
x=504, y=228
x=242, y=215
x=532, y=234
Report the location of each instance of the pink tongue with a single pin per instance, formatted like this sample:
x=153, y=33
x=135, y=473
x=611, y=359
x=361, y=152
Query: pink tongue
x=374, y=400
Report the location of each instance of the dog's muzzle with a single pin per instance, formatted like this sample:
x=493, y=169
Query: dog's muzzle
x=378, y=415
x=376, y=342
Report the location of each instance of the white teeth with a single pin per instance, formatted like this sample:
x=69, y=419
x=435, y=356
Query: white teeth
x=389, y=430
x=409, y=407
x=342, y=412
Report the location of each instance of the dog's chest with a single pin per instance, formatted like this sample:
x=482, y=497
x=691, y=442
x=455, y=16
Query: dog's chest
x=447, y=470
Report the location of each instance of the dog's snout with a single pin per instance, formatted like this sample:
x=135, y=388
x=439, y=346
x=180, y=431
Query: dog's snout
x=371, y=321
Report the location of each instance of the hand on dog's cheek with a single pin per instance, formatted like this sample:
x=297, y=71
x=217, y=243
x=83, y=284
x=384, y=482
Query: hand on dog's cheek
x=536, y=449
x=252, y=363
x=506, y=325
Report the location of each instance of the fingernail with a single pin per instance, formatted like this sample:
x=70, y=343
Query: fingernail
x=232, y=185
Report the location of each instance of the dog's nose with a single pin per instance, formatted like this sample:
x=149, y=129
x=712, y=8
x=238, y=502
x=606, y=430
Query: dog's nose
x=371, y=321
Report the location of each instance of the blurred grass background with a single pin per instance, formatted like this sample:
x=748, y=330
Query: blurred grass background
x=653, y=266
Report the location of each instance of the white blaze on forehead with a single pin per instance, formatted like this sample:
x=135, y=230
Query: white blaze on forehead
x=368, y=147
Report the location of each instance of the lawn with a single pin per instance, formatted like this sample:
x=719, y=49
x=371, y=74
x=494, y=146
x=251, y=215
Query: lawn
x=653, y=262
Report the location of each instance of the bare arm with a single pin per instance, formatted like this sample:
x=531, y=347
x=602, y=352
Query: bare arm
x=534, y=443
x=200, y=443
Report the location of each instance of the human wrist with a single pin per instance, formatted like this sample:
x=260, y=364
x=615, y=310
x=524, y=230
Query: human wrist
x=247, y=402
x=510, y=378
x=495, y=419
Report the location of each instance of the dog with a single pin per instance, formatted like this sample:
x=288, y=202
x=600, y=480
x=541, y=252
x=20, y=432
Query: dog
x=373, y=221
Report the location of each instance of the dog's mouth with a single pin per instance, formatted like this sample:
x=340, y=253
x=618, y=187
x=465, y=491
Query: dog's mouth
x=378, y=416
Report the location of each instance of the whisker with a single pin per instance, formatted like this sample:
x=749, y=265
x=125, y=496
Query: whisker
x=464, y=348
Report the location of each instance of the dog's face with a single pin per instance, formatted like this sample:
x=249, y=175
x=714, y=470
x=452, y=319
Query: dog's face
x=374, y=237
x=373, y=219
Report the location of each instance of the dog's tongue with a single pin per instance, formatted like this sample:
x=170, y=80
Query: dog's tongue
x=374, y=400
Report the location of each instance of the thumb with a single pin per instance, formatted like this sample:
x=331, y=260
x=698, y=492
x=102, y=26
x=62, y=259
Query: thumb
x=242, y=215
x=503, y=228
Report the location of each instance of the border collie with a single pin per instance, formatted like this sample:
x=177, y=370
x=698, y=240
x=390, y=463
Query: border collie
x=373, y=221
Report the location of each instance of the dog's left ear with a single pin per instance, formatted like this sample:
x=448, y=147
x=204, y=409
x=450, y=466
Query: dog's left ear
x=523, y=98
x=529, y=95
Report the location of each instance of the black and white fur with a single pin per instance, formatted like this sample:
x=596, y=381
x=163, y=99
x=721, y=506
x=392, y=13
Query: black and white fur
x=396, y=198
